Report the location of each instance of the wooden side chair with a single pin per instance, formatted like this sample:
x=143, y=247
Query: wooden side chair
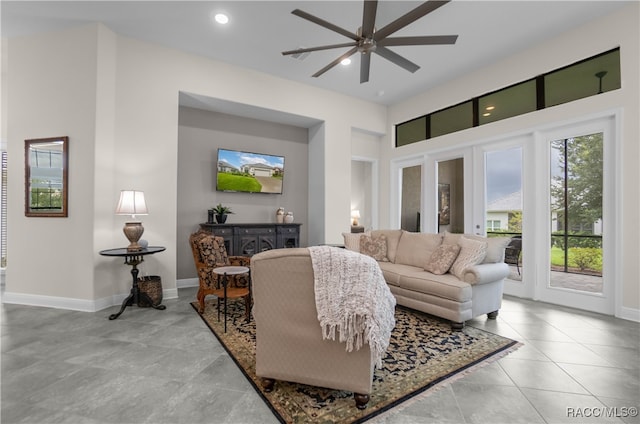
x=209, y=253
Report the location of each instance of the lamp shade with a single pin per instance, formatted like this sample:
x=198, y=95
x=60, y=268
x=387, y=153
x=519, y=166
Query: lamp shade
x=132, y=203
x=355, y=215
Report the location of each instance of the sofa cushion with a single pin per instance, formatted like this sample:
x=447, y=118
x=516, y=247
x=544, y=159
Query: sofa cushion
x=376, y=247
x=393, y=237
x=392, y=272
x=442, y=258
x=447, y=286
x=415, y=248
x=416, y=279
x=352, y=240
x=472, y=252
x=495, y=245
x=451, y=238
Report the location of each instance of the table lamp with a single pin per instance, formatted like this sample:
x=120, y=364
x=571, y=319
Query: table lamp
x=132, y=203
x=355, y=226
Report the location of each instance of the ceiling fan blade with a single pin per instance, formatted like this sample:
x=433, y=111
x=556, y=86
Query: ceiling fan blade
x=397, y=59
x=323, y=23
x=369, y=17
x=365, y=65
x=408, y=18
x=335, y=62
x=313, y=49
x=418, y=41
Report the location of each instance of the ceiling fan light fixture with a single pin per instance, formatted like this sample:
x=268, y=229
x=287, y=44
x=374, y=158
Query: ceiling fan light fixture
x=221, y=18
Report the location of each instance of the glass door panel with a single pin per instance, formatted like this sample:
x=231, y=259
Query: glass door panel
x=576, y=213
x=503, y=212
x=411, y=198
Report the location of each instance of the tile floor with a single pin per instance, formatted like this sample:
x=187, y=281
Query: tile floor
x=153, y=366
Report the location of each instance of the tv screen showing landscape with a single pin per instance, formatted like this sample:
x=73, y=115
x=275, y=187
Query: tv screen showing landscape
x=249, y=172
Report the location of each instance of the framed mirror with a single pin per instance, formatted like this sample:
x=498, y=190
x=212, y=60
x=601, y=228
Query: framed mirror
x=46, y=188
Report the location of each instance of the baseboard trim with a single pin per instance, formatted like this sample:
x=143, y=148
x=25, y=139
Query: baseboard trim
x=57, y=302
x=72, y=304
x=187, y=282
x=629, y=314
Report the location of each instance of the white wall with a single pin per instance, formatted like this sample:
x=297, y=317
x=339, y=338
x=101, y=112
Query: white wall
x=117, y=100
x=618, y=29
x=52, y=92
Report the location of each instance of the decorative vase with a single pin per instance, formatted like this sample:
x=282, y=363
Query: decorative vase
x=210, y=216
x=280, y=215
x=288, y=218
x=221, y=219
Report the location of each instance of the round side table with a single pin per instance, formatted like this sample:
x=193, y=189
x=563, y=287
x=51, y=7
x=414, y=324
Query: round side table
x=233, y=292
x=134, y=258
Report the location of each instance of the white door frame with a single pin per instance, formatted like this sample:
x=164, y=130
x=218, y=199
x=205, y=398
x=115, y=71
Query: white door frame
x=430, y=219
x=526, y=287
x=397, y=165
x=375, y=187
x=609, y=301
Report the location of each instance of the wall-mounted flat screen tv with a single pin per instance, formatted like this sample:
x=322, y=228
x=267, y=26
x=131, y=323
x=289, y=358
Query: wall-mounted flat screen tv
x=249, y=172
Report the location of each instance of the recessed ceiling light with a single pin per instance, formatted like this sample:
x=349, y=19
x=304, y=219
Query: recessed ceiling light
x=345, y=62
x=490, y=107
x=486, y=114
x=221, y=18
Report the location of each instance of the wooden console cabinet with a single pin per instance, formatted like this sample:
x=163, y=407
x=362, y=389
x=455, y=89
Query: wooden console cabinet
x=248, y=239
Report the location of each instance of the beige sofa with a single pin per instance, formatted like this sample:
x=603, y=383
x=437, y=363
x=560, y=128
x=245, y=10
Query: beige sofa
x=472, y=290
x=289, y=343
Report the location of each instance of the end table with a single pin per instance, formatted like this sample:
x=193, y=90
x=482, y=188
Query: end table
x=134, y=258
x=225, y=271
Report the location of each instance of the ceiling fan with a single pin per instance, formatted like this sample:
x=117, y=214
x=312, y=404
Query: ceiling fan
x=369, y=40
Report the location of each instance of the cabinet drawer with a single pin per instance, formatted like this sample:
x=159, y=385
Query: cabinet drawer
x=287, y=230
x=256, y=231
x=222, y=231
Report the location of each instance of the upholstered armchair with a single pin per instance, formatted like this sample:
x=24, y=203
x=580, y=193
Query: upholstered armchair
x=209, y=252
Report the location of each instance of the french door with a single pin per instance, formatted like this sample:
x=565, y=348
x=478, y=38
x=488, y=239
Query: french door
x=504, y=212
x=579, y=207
x=555, y=190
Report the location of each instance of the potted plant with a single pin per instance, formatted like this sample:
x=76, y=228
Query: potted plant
x=221, y=213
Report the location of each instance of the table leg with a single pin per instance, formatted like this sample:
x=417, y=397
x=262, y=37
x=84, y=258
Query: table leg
x=135, y=296
x=224, y=283
x=127, y=302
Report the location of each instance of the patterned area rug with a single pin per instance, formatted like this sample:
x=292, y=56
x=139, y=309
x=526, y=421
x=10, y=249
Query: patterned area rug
x=423, y=353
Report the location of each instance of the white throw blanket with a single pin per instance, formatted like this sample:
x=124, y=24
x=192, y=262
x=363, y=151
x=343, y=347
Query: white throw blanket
x=352, y=298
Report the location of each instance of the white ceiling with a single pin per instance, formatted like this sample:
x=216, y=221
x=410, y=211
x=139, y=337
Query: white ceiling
x=259, y=31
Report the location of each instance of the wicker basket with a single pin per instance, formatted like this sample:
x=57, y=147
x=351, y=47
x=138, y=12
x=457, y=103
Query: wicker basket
x=151, y=285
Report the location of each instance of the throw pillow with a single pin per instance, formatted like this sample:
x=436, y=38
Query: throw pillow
x=451, y=238
x=495, y=248
x=415, y=248
x=376, y=247
x=352, y=241
x=495, y=245
x=442, y=258
x=393, y=237
x=472, y=252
